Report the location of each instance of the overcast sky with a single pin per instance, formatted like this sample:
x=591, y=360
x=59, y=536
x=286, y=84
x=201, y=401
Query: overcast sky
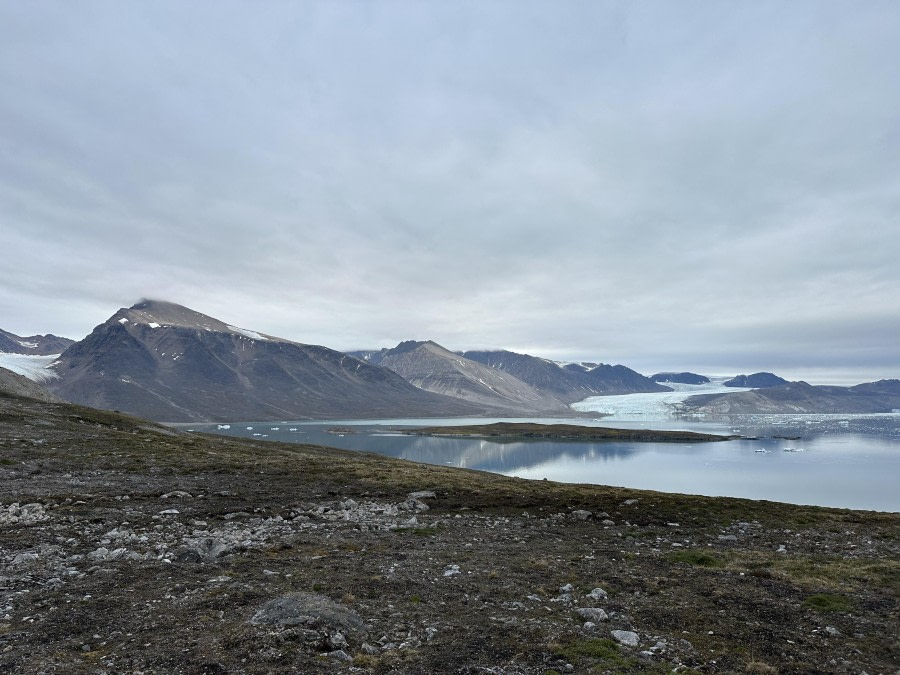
x=712, y=186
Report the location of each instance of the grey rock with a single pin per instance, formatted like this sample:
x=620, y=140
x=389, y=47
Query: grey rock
x=594, y=614
x=581, y=514
x=832, y=631
x=607, y=522
x=307, y=609
x=340, y=654
x=626, y=637
x=421, y=494
x=598, y=594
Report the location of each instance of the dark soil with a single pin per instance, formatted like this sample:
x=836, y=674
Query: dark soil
x=567, y=432
x=127, y=547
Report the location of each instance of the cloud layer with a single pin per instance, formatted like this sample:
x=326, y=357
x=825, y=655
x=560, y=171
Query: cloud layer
x=668, y=185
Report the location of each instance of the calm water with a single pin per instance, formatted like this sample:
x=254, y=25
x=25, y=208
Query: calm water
x=839, y=460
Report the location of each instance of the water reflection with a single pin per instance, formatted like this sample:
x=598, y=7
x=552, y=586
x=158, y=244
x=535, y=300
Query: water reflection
x=824, y=460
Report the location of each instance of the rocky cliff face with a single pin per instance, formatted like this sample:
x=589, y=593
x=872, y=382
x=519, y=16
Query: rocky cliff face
x=571, y=382
x=168, y=363
x=38, y=345
x=436, y=369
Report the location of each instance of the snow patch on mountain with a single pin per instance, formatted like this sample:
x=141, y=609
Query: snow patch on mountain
x=252, y=334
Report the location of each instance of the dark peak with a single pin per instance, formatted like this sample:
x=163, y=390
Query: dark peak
x=411, y=345
x=404, y=347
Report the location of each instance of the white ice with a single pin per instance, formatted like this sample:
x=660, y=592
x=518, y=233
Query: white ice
x=153, y=324
x=33, y=367
x=654, y=406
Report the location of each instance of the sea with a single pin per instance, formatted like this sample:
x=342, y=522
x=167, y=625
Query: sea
x=844, y=461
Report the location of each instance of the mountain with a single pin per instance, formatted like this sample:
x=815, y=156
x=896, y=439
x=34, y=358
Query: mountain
x=38, y=345
x=567, y=382
x=13, y=384
x=169, y=363
x=436, y=369
x=755, y=381
x=800, y=397
x=680, y=378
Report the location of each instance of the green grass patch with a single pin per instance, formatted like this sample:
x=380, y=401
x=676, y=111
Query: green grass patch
x=828, y=602
x=696, y=558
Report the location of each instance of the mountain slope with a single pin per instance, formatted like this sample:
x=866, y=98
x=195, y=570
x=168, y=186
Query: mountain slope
x=168, y=363
x=38, y=345
x=13, y=384
x=571, y=382
x=431, y=367
x=800, y=397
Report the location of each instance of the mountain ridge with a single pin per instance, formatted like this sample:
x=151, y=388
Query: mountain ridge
x=169, y=363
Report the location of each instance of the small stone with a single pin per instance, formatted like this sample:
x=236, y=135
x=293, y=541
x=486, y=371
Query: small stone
x=832, y=631
x=451, y=570
x=568, y=588
x=630, y=502
x=607, y=522
x=340, y=654
x=598, y=594
x=581, y=514
x=781, y=549
x=421, y=494
x=169, y=512
x=626, y=637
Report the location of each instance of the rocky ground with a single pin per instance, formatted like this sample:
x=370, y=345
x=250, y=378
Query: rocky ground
x=126, y=547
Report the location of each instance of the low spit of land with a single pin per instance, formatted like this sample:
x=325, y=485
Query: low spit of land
x=128, y=547
x=567, y=432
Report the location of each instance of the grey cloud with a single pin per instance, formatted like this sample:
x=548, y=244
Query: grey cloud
x=652, y=184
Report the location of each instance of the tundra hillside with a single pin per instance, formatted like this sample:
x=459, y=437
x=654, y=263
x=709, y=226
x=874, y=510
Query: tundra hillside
x=128, y=547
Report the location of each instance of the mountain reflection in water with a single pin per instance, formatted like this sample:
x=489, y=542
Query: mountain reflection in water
x=842, y=461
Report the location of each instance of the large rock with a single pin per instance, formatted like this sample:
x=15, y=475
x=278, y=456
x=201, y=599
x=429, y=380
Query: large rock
x=309, y=610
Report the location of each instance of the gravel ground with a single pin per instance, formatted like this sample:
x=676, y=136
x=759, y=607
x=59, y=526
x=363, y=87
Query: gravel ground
x=126, y=547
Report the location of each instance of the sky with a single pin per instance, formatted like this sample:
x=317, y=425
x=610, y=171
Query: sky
x=707, y=186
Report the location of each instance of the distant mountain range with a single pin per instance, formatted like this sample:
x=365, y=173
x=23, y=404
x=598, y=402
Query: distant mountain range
x=568, y=382
x=431, y=367
x=800, y=397
x=166, y=362
x=680, y=378
x=756, y=381
x=37, y=345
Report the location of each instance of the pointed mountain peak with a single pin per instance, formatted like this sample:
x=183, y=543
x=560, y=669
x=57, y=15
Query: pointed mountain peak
x=162, y=314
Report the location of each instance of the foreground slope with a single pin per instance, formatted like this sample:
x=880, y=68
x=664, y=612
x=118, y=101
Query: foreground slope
x=169, y=363
x=128, y=547
x=430, y=366
x=569, y=382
